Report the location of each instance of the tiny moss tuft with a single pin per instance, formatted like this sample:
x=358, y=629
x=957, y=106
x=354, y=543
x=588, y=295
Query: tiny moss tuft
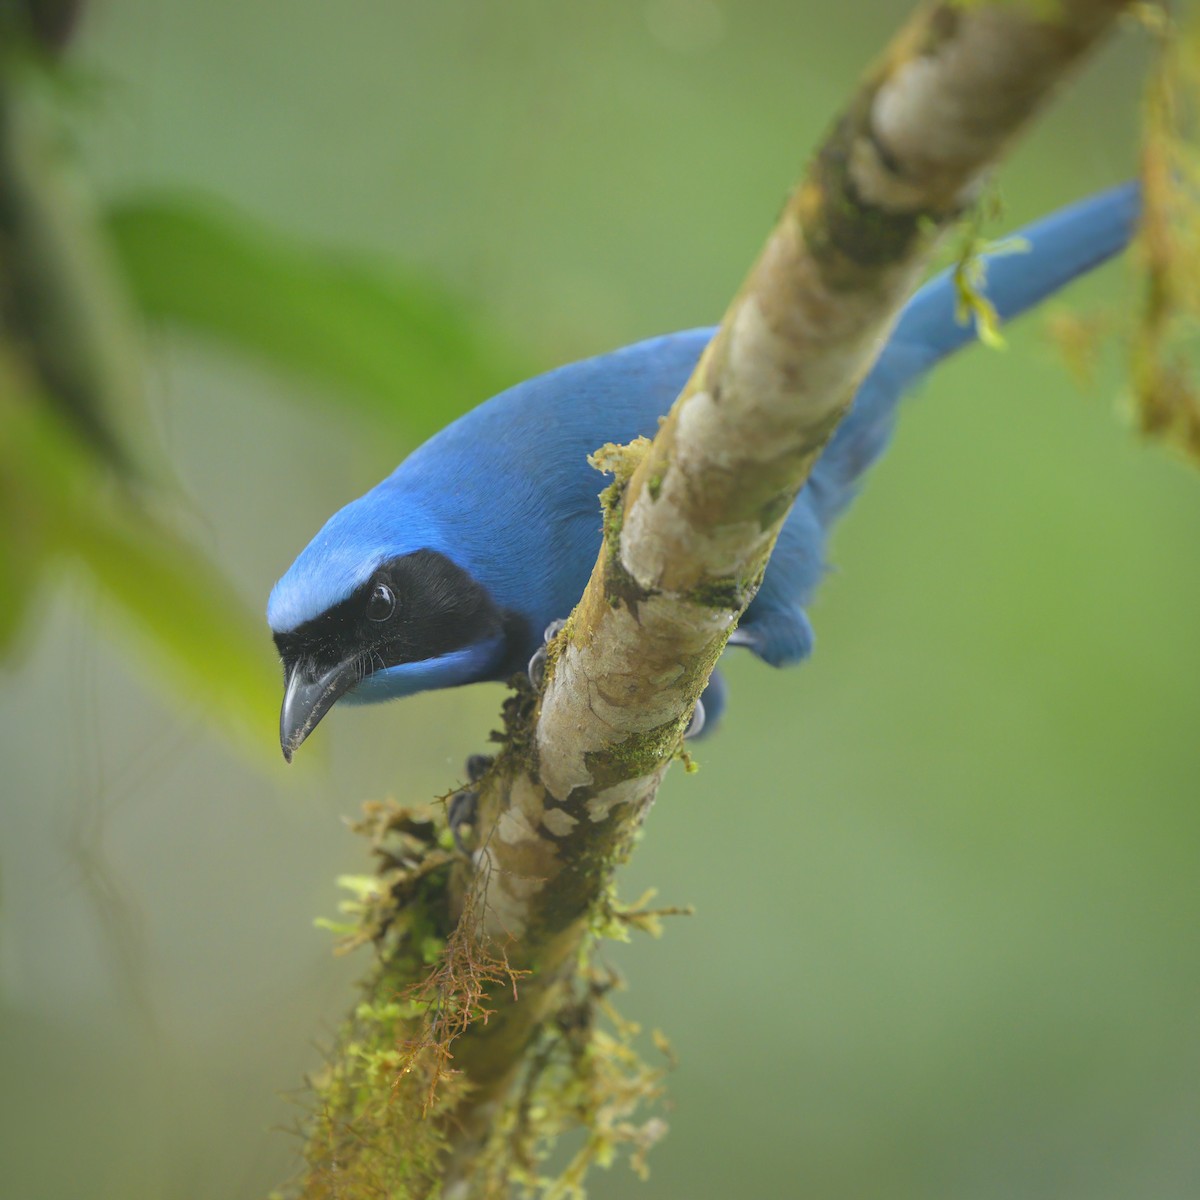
x=620, y=461
x=583, y=1072
x=615, y=920
x=726, y=593
x=637, y=755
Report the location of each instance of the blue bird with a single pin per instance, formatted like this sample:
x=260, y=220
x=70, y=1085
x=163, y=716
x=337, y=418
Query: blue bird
x=449, y=571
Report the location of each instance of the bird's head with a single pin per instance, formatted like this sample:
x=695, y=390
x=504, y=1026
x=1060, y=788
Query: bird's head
x=369, y=612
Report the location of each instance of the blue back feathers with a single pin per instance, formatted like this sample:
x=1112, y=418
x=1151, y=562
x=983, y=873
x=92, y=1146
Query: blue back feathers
x=507, y=494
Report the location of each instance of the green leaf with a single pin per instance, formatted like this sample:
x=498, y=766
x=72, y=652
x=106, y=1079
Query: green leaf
x=20, y=559
x=64, y=308
x=393, y=345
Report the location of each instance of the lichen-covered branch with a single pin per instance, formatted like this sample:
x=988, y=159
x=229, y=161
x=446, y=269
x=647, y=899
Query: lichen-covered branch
x=1166, y=397
x=691, y=519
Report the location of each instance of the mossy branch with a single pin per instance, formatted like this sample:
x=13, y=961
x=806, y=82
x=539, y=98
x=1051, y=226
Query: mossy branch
x=689, y=525
x=1166, y=399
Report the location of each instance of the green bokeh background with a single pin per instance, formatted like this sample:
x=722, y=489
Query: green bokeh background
x=947, y=940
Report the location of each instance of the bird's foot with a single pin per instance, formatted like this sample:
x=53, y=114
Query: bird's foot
x=463, y=807
x=537, y=664
x=477, y=766
x=460, y=814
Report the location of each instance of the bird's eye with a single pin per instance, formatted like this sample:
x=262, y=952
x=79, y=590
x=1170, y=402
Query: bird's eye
x=381, y=604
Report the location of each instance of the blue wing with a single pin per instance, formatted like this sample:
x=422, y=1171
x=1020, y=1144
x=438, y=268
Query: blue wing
x=507, y=494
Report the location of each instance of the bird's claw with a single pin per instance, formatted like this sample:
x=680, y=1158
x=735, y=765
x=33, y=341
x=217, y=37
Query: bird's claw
x=537, y=667
x=537, y=664
x=460, y=814
x=463, y=807
x=477, y=766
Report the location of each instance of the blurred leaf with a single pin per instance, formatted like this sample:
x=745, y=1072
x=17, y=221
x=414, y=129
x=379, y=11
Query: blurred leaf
x=171, y=596
x=395, y=345
x=71, y=425
x=62, y=301
x=21, y=545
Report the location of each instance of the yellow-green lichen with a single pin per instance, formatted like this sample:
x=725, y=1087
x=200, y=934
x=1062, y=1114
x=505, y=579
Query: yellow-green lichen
x=1164, y=342
x=725, y=593
x=971, y=303
x=637, y=755
x=620, y=461
x=616, y=921
x=775, y=509
x=848, y=237
x=620, y=588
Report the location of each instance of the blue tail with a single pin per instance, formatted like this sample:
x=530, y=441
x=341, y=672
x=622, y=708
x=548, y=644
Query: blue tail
x=1059, y=248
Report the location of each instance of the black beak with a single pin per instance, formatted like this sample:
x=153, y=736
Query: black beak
x=308, y=697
